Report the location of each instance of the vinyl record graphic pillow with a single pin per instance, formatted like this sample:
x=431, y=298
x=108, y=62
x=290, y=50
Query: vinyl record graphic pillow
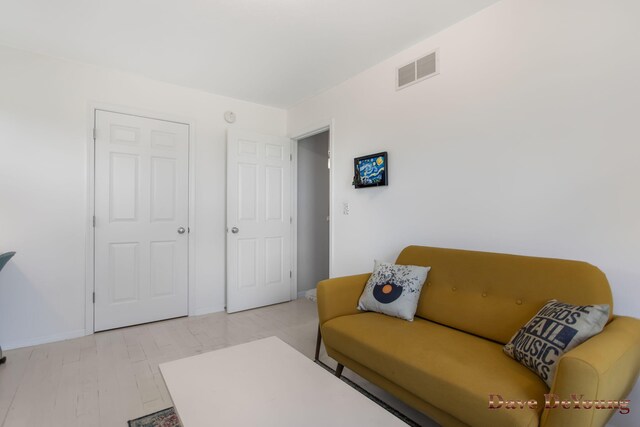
x=553, y=331
x=393, y=289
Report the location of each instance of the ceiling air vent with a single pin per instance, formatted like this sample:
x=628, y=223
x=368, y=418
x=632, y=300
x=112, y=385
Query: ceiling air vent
x=418, y=70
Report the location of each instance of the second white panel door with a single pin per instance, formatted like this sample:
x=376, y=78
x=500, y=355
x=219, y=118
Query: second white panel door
x=141, y=223
x=258, y=220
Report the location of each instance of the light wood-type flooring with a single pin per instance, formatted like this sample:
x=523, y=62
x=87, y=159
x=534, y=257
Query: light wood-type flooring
x=110, y=377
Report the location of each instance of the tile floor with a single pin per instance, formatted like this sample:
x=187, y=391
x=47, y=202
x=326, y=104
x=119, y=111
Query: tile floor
x=110, y=377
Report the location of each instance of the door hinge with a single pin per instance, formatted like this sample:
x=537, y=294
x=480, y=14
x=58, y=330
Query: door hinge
x=94, y=133
x=94, y=221
x=94, y=297
x=290, y=274
x=290, y=220
x=291, y=157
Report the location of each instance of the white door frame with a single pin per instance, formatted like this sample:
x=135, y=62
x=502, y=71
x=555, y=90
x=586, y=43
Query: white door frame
x=90, y=209
x=323, y=126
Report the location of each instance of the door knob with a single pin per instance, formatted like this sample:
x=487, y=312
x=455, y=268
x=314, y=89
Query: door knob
x=181, y=230
x=235, y=230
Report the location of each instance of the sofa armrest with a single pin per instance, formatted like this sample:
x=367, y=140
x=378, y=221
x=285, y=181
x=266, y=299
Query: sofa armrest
x=339, y=296
x=605, y=367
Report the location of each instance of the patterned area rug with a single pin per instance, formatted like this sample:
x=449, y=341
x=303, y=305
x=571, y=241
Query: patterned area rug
x=165, y=418
x=168, y=418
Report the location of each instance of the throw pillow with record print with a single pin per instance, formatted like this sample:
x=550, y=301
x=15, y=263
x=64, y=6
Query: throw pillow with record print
x=393, y=289
x=553, y=331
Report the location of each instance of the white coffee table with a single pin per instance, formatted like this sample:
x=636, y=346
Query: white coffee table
x=265, y=383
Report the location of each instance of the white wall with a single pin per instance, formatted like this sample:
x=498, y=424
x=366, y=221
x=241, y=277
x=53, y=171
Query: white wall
x=527, y=143
x=313, y=209
x=43, y=138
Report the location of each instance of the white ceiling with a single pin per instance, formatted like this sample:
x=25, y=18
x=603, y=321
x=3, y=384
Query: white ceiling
x=274, y=52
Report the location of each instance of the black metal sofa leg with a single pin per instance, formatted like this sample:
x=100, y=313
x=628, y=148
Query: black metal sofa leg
x=318, y=342
x=340, y=367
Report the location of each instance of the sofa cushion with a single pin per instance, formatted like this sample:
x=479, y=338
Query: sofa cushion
x=393, y=289
x=447, y=368
x=493, y=295
x=554, y=330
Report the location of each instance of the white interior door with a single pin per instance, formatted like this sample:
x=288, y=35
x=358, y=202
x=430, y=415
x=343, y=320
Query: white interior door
x=141, y=220
x=258, y=220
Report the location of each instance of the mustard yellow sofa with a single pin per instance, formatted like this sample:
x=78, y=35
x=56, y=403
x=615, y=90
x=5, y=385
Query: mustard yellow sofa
x=449, y=360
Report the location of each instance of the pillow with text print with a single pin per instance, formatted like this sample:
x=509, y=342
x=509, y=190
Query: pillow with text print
x=553, y=331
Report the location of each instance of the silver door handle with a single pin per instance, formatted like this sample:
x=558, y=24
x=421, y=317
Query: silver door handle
x=235, y=230
x=181, y=230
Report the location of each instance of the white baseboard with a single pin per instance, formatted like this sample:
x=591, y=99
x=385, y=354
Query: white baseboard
x=43, y=340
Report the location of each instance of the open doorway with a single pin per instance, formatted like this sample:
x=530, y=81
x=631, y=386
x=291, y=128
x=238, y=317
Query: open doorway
x=313, y=212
